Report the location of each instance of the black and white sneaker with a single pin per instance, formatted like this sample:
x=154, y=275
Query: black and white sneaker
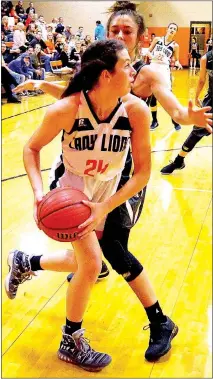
x=103, y=274
x=167, y=170
x=161, y=335
x=75, y=349
x=154, y=125
x=19, y=272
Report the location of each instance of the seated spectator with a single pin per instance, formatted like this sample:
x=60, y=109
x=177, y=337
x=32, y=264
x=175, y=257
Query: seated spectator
x=39, y=72
x=30, y=8
x=3, y=37
x=7, y=80
x=4, y=9
x=59, y=43
x=20, y=11
x=32, y=17
x=65, y=56
x=88, y=40
x=31, y=32
x=19, y=37
x=54, y=23
x=9, y=36
x=50, y=44
x=49, y=28
x=44, y=57
x=21, y=66
x=60, y=26
x=18, y=77
x=80, y=33
x=71, y=42
x=41, y=23
x=12, y=13
x=5, y=53
x=75, y=55
x=4, y=24
x=38, y=39
x=68, y=33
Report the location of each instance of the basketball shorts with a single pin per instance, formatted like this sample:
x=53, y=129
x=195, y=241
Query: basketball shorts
x=165, y=73
x=96, y=190
x=207, y=102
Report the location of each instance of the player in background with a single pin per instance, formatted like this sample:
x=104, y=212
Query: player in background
x=206, y=70
x=161, y=52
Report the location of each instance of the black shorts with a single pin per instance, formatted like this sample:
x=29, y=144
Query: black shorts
x=207, y=102
x=194, y=54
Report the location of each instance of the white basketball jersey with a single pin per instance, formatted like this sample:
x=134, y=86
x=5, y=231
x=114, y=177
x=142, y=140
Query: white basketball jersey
x=97, y=148
x=162, y=53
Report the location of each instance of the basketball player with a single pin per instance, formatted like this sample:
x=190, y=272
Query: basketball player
x=206, y=67
x=106, y=128
x=127, y=25
x=162, y=50
x=193, y=53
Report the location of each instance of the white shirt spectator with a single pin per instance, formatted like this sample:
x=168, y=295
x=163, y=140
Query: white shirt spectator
x=19, y=38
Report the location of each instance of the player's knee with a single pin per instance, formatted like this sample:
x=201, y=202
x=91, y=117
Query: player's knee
x=191, y=141
x=91, y=268
x=121, y=260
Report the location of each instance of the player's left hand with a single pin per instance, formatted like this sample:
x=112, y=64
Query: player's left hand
x=98, y=212
x=200, y=117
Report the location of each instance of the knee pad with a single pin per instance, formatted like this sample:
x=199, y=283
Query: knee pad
x=121, y=260
x=191, y=141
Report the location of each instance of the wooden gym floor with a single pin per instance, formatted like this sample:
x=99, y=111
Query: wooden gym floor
x=172, y=240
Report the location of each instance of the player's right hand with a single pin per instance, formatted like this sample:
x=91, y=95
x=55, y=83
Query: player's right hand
x=29, y=85
x=38, y=198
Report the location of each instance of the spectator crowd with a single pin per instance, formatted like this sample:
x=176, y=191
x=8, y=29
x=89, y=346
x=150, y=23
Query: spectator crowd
x=30, y=45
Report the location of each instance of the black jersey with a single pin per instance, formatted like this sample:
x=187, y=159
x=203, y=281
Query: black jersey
x=209, y=68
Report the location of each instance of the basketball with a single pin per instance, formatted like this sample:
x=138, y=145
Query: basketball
x=60, y=213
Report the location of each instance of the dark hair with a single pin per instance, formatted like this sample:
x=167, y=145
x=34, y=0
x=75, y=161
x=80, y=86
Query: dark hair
x=126, y=8
x=172, y=23
x=99, y=56
x=98, y=22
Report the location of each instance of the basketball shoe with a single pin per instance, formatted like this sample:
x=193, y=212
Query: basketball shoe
x=19, y=272
x=103, y=274
x=75, y=349
x=154, y=125
x=167, y=170
x=161, y=335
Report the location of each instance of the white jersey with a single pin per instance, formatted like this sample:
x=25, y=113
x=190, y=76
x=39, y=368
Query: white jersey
x=162, y=53
x=97, y=148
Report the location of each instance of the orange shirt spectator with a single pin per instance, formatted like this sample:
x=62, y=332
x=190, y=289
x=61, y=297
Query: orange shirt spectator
x=50, y=43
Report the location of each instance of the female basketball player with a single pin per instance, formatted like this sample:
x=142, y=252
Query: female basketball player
x=83, y=114
x=206, y=70
x=162, y=50
x=193, y=53
x=127, y=25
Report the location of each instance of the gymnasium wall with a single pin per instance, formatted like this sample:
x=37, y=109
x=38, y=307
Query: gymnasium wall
x=157, y=15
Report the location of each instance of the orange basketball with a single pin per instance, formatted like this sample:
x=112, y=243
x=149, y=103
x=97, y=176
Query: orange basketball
x=60, y=213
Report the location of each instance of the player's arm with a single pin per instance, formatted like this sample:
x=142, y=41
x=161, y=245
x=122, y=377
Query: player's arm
x=50, y=88
x=151, y=47
x=139, y=117
x=202, y=80
x=180, y=114
x=59, y=116
x=176, y=56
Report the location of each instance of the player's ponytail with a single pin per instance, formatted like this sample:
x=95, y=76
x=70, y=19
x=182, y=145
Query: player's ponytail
x=99, y=56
